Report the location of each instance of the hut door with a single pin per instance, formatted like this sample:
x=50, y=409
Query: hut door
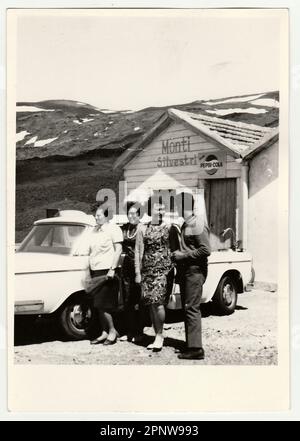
x=220, y=201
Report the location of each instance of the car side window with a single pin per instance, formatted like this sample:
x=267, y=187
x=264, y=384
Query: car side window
x=82, y=245
x=52, y=238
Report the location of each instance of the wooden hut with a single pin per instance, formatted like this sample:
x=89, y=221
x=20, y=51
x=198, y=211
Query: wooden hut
x=233, y=165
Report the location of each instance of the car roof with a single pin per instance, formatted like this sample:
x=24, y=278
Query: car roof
x=76, y=217
x=73, y=217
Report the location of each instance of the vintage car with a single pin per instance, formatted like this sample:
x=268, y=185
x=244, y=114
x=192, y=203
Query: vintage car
x=50, y=274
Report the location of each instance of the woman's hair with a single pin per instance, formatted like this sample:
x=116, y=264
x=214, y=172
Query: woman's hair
x=150, y=203
x=131, y=204
x=106, y=207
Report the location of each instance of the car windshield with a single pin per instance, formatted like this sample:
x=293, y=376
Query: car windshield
x=51, y=238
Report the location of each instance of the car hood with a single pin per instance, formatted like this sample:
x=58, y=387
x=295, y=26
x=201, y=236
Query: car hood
x=42, y=262
x=229, y=256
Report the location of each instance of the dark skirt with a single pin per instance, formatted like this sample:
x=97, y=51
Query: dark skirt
x=106, y=296
x=131, y=289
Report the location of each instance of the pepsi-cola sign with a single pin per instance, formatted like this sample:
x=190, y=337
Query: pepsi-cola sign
x=211, y=164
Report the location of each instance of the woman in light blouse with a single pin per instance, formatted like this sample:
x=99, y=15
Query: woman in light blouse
x=104, y=249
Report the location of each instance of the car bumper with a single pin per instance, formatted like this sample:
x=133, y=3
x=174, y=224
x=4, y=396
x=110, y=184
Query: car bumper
x=29, y=307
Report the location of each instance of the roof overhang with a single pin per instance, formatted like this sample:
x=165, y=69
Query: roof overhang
x=265, y=143
x=186, y=119
x=164, y=121
x=218, y=141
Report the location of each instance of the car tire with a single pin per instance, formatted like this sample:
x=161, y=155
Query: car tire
x=225, y=297
x=77, y=319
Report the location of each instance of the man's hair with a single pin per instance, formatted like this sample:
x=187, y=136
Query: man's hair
x=184, y=201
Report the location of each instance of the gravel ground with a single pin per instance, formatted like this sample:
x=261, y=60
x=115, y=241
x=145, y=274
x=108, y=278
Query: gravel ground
x=247, y=337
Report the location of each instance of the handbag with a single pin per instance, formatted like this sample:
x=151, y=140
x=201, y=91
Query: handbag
x=172, y=303
x=93, y=283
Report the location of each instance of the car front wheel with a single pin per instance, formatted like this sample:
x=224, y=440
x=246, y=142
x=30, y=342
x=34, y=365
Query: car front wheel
x=225, y=297
x=77, y=319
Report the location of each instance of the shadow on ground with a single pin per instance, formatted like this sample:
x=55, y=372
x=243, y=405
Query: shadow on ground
x=240, y=308
x=34, y=330
x=31, y=330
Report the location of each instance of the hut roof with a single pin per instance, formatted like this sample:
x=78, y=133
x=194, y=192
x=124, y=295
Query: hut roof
x=239, y=139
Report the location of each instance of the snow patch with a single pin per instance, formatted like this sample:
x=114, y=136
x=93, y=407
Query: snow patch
x=39, y=143
x=108, y=111
x=235, y=100
x=136, y=128
x=32, y=109
x=83, y=120
x=115, y=111
x=268, y=102
x=43, y=142
x=229, y=111
x=65, y=131
x=21, y=135
x=31, y=140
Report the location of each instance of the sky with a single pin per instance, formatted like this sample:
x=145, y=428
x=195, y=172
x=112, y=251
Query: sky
x=131, y=60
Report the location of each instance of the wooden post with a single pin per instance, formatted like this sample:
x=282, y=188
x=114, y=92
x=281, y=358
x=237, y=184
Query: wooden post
x=238, y=211
x=243, y=207
x=201, y=192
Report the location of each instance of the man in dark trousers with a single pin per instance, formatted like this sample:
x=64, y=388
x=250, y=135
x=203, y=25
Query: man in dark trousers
x=191, y=260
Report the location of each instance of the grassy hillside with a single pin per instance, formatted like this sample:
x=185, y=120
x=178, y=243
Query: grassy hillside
x=64, y=184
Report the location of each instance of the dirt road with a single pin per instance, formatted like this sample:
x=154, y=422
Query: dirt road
x=247, y=337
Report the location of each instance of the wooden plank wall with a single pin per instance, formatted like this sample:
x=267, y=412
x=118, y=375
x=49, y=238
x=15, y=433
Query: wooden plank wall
x=144, y=165
x=222, y=211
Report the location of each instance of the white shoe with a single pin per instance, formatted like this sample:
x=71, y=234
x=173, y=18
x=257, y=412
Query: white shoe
x=157, y=345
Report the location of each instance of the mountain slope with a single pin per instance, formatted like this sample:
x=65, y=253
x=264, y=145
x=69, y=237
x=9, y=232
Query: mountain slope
x=70, y=128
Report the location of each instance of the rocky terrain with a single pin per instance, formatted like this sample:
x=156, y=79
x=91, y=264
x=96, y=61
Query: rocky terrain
x=65, y=149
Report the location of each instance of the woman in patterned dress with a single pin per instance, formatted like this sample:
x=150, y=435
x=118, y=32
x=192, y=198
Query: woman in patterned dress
x=154, y=268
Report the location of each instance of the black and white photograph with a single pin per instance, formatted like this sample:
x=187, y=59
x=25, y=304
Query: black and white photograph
x=150, y=187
